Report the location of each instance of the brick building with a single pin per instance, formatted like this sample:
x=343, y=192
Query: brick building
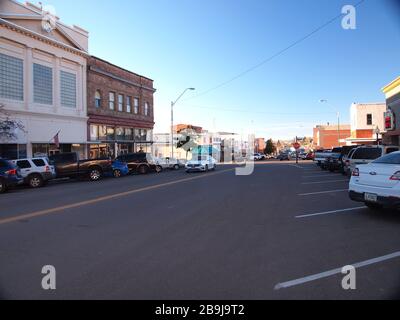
x=392, y=115
x=120, y=110
x=327, y=137
x=259, y=145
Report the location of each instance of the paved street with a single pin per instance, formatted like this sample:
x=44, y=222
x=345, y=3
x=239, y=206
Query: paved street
x=198, y=236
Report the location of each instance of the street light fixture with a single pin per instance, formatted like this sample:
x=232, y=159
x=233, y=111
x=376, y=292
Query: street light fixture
x=338, y=118
x=377, y=132
x=172, y=118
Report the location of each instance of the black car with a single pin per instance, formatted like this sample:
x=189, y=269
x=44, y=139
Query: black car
x=140, y=162
x=335, y=160
x=283, y=156
x=9, y=175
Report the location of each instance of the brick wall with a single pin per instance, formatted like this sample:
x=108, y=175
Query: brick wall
x=107, y=78
x=329, y=138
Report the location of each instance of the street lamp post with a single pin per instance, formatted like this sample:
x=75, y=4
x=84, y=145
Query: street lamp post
x=172, y=119
x=338, y=119
x=377, y=132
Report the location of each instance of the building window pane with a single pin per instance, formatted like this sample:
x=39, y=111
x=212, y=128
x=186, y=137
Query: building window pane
x=42, y=84
x=110, y=133
x=128, y=104
x=146, y=109
x=68, y=89
x=94, y=133
x=97, y=99
x=128, y=134
x=136, y=105
x=102, y=133
x=120, y=133
x=112, y=101
x=11, y=78
x=120, y=102
x=369, y=119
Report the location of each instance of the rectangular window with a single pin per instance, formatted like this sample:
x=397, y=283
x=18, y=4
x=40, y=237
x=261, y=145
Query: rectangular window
x=369, y=119
x=94, y=133
x=128, y=134
x=120, y=103
x=68, y=89
x=120, y=134
x=112, y=101
x=146, y=109
x=11, y=78
x=102, y=133
x=42, y=84
x=110, y=133
x=128, y=104
x=136, y=105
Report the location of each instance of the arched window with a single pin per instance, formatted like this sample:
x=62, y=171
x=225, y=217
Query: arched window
x=97, y=99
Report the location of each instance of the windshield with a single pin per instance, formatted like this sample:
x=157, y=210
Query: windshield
x=393, y=158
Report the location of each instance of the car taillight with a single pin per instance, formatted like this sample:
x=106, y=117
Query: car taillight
x=356, y=172
x=47, y=169
x=396, y=176
x=12, y=172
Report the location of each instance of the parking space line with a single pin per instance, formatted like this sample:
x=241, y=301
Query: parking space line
x=58, y=209
x=329, y=273
x=329, y=212
x=328, y=181
x=318, y=176
x=321, y=192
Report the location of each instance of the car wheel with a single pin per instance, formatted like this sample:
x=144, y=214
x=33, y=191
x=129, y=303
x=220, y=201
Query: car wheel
x=206, y=167
x=159, y=169
x=176, y=167
x=117, y=173
x=94, y=174
x=35, y=181
x=3, y=187
x=143, y=169
x=374, y=206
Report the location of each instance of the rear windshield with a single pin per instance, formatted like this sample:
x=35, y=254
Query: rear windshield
x=337, y=150
x=392, y=158
x=367, y=153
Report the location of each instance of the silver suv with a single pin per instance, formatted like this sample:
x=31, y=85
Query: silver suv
x=367, y=154
x=36, y=171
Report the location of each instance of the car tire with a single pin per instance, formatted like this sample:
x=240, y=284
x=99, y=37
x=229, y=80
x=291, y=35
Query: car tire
x=95, y=174
x=117, y=173
x=3, y=187
x=176, y=167
x=35, y=181
x=206, y=167
x=143, y=169
x=374, y=206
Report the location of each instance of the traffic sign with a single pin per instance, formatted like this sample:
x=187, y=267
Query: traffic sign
x=296, y=145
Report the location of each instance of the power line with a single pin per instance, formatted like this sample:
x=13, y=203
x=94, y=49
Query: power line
x=243, y=73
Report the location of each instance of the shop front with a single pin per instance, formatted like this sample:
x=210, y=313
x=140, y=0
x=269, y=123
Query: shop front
x=392, y=115
x=111, y=141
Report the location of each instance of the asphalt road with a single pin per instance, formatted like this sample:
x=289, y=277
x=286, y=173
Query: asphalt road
x=198, y=236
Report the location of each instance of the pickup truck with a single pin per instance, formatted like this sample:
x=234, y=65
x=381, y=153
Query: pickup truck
x=321, y=156
x=68, y=165
x=335, y=160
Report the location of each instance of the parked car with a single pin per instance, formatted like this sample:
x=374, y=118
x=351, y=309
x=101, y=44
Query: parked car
x=346, y=163
x=119, y=169
x=283, y=156
x=10, y=175
x=334, y=153
x=170, y=163
x=310, y=156
x=68, y=165
x=320, y=156
x=335, y=161
x=367, y=154
x=377, y=184
x=201, y=163
x=36, y=171
x=140, y=162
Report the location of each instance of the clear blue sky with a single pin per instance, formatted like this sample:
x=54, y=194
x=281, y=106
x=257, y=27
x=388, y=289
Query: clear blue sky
x=185, y=43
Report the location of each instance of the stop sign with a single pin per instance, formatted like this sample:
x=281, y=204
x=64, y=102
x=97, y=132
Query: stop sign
x=296, y=145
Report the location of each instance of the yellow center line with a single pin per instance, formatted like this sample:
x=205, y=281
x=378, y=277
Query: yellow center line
x=104, y=198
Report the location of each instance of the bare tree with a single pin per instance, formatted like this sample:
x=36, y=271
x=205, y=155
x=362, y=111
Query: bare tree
x=8, y=126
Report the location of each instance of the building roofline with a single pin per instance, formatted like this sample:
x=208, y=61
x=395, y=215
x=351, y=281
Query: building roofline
x=114, y=65
x=395, y=83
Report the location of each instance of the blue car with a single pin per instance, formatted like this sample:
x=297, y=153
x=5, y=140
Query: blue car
x=10, y=175
x=119, y=169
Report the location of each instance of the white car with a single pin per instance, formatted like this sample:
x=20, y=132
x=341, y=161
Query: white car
x=36, y=171
x=377, y=184
x=201, y=163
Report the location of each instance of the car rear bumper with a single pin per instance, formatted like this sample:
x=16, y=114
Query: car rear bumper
x=386, y=201
x=15, y=181
x=195, y=169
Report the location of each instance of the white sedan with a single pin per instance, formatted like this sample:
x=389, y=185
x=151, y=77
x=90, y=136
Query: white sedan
x=201, y=163
x=377, y=184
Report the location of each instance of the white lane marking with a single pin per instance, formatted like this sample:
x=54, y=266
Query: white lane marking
x=328, y=212
x=321, y=192
x=329, y=273
x=328, y=181
x=296, y=166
